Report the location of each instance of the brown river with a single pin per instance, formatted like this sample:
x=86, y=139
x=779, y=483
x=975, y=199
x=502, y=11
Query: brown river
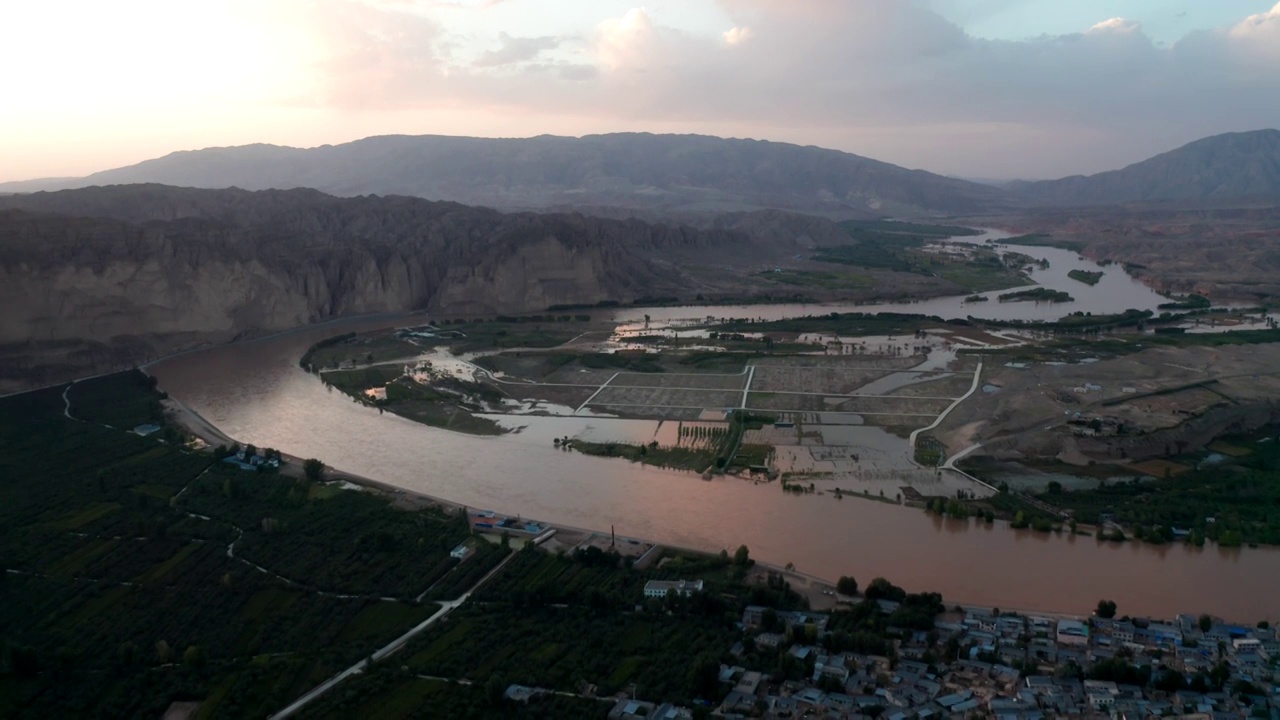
x=256, y=393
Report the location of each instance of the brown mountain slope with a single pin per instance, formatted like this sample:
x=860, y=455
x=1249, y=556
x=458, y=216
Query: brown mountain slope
x=107, y=276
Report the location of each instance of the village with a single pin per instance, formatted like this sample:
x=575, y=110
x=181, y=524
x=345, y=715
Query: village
x=984, y=663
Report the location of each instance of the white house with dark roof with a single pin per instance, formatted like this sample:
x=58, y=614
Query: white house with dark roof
x=660, y=588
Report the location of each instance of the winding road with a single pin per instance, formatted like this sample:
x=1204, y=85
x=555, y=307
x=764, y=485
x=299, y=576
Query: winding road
x=397, y=644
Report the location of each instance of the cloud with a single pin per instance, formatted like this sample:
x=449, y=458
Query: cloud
x=1260, y=34
x=626, y=40
x=1117, y=25
x=892, y=79
x=737, y=36
x=516, y=50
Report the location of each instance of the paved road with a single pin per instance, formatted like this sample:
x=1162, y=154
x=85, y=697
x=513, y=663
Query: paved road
x=977, y=377
x=950, y=464
x=389, y=648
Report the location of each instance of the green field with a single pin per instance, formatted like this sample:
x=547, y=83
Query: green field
x=823, y=280
x=899, y=247
x=377, y=347
x=1241, y=494
x=433, y=405
x=390, y=693
x=123, y=400
x=847, y=324
x=1086, y=277
x=117, y=600
x=677, y=458
x=1039, y=294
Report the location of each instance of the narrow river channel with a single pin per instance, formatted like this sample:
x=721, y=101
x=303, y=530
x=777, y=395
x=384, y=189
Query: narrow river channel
x=255, y=392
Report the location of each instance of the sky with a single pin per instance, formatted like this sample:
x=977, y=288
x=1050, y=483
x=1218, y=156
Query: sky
x=992, y=89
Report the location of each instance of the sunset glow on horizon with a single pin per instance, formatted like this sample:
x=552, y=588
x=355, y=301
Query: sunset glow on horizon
x=954, y=86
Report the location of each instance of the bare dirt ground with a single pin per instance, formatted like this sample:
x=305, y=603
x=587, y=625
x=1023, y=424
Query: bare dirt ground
x=1149, y=391
x=558, y=394
x=1227, y=252
x=949, y=386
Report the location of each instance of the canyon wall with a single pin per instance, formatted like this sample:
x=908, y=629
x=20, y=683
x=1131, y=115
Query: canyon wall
x=95, y=279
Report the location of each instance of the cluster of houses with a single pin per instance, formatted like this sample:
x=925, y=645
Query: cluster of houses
x=1007, y=666
x=1086, y=425
x=252, y=461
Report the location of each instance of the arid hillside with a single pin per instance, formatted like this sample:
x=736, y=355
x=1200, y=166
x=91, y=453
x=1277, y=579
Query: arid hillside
x=101, y=277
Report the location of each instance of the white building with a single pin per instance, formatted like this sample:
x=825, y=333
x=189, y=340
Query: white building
x=1073, y=632
x=659, y=588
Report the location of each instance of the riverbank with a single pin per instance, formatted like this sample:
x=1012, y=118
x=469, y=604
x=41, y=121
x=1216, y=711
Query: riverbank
x=258, y=394
x=818, y=589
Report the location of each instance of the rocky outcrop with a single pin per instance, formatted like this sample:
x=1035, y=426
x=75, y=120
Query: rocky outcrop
x=97, y=278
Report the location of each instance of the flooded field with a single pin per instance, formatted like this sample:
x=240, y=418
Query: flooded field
x=256, y=393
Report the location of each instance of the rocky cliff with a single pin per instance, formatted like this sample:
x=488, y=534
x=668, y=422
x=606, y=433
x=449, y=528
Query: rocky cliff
x=103, y=277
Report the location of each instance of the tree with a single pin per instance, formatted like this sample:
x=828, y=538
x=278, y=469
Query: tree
x=768, y=619
x=1205, y=623
x=494, y=689
x=847, y=585
x=193, y=658
x=1170, y=681
x=1106, y=609
x=881, y=589
x=742, y=556
x=313, y=469
x=704, y=676
x=1219, y=675
x=127, y=654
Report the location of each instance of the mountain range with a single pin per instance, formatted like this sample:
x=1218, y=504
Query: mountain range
x=1223, y=167
x=687, y=175
x=115, y=273
x=104, y=277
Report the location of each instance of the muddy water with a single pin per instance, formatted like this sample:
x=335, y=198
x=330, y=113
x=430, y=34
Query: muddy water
x=255, y=392
x=1115, y=292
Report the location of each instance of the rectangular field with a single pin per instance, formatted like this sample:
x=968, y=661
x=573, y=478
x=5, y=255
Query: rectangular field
x=819, y=403
x=834, y=380
x=847, y=362
x=673, y=380
x=667, y=397
x=571, y=396
x=580, y=376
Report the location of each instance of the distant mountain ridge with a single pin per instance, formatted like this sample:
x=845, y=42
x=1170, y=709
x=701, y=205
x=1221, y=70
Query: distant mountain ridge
x=673, y=173
x=689, y=178
x=1230, y=166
